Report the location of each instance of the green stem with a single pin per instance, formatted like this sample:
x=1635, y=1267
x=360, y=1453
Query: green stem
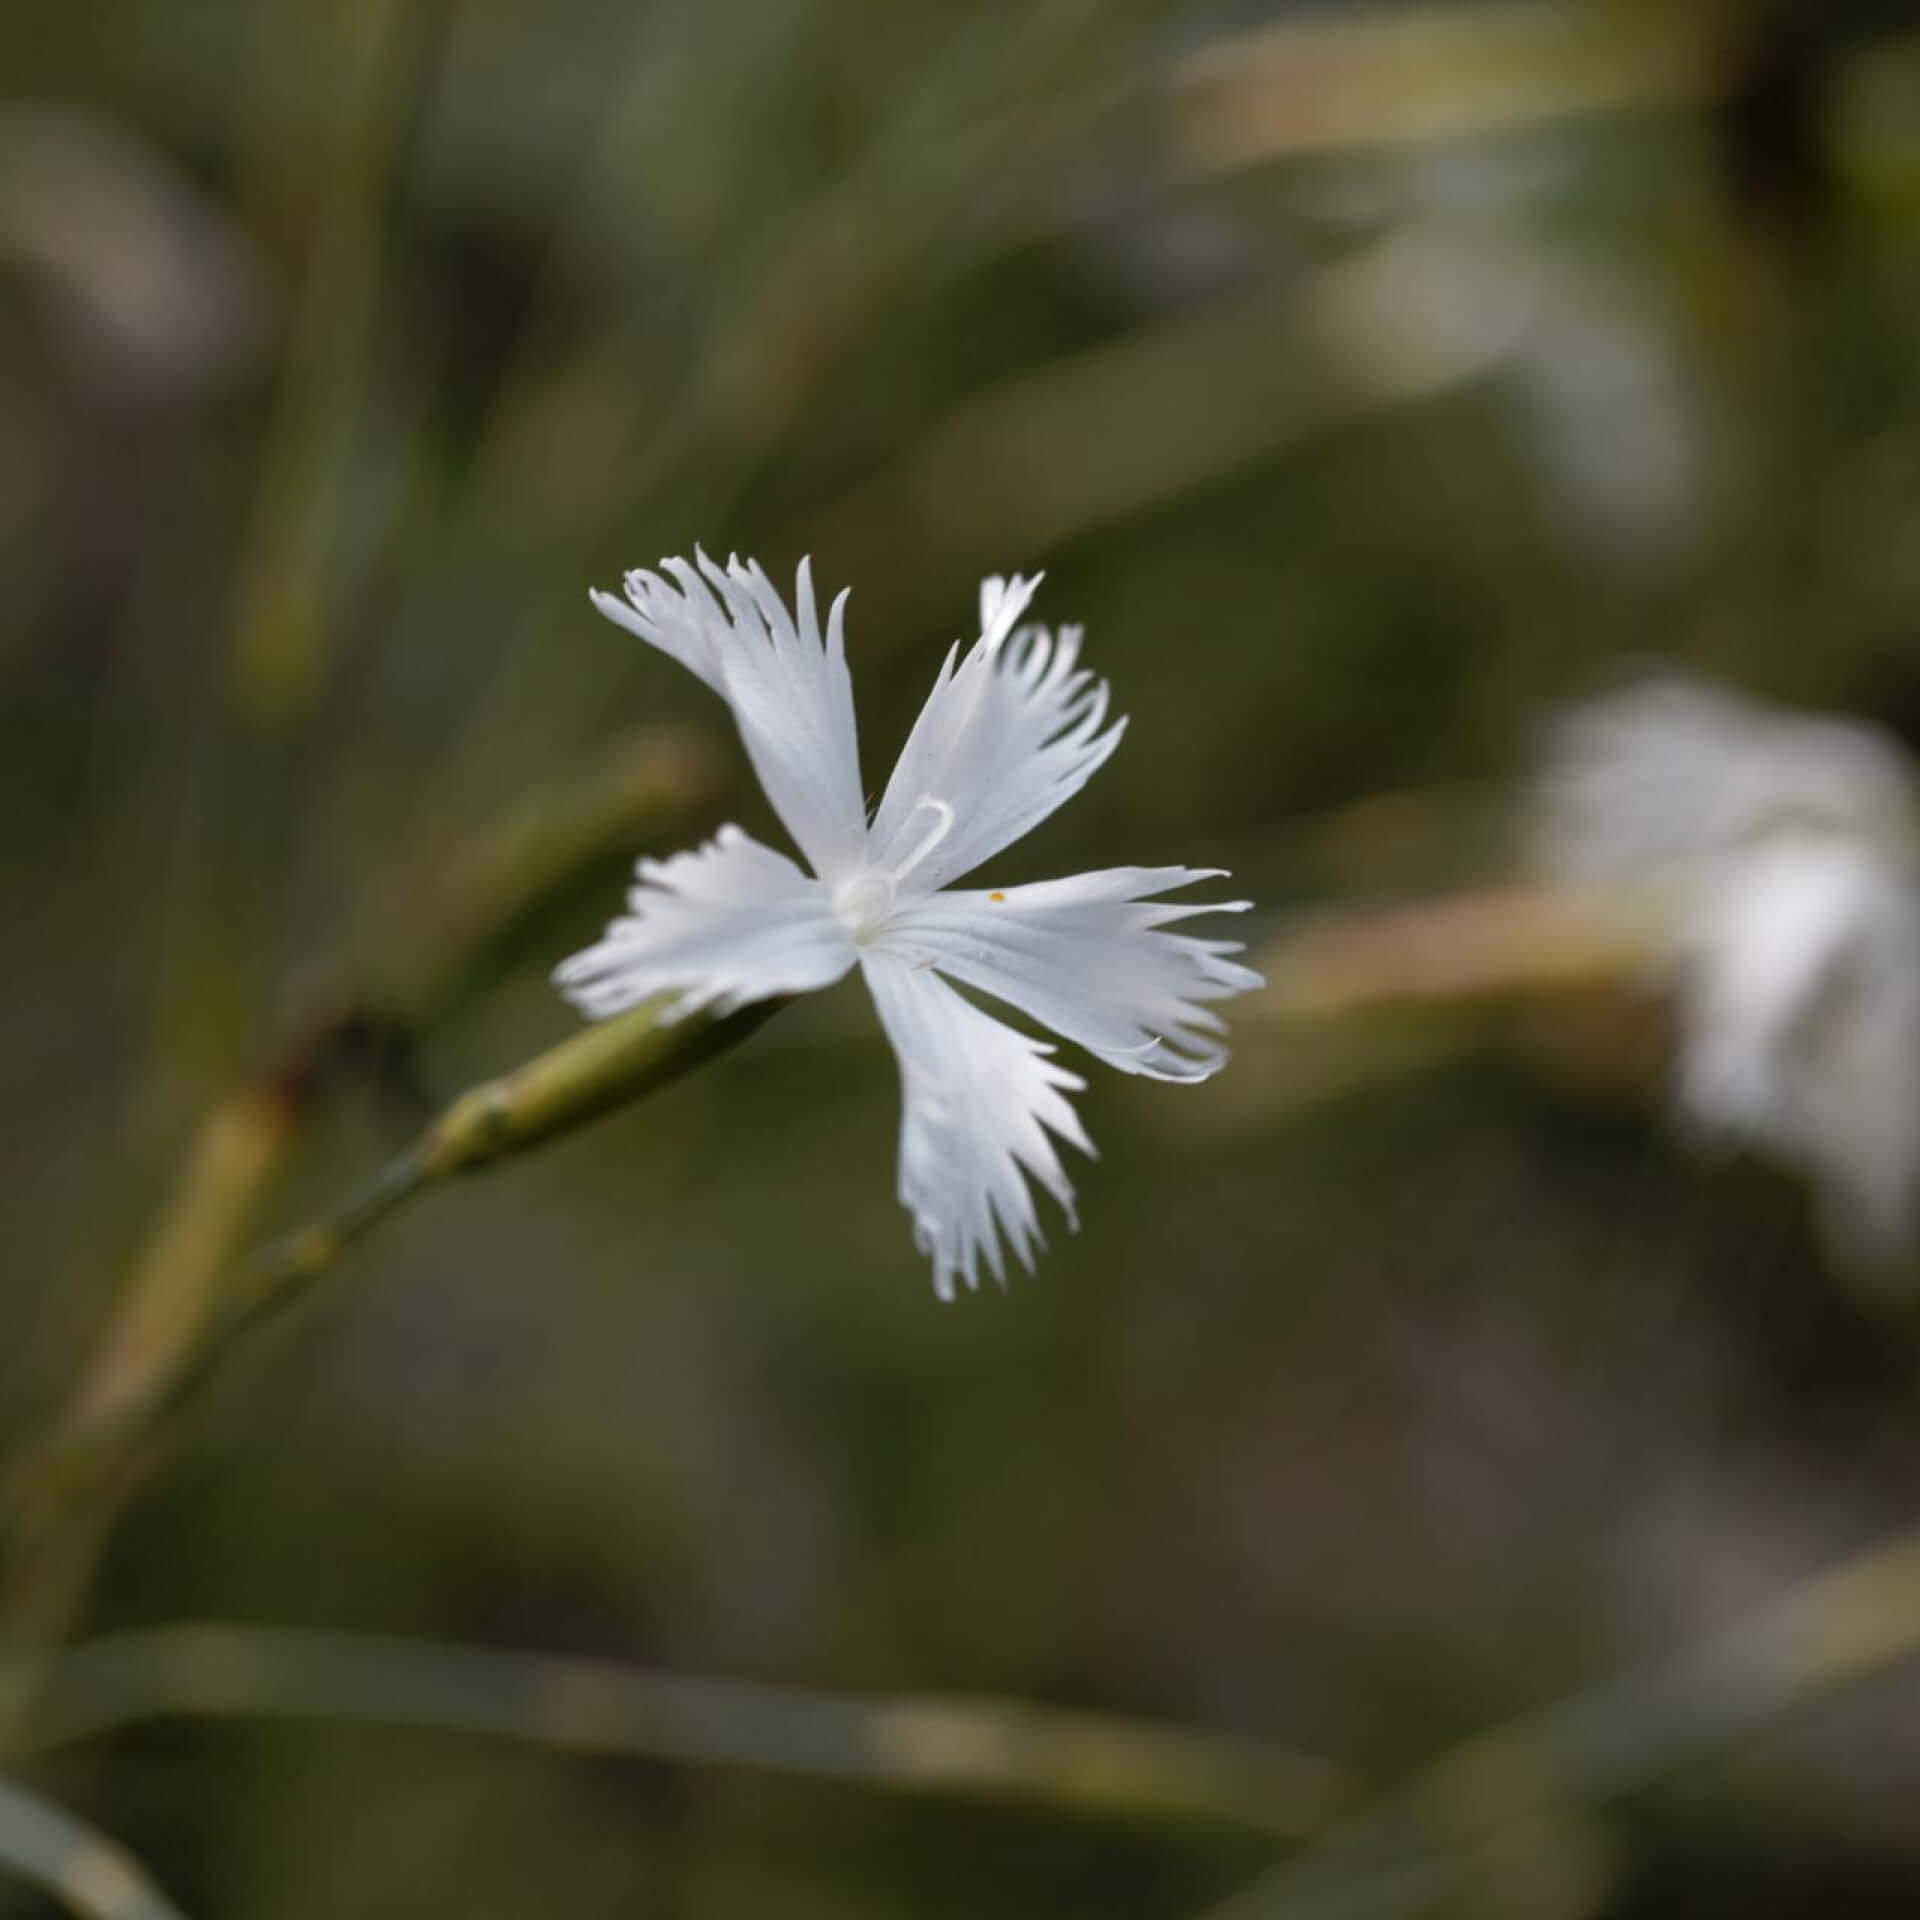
x=61, y=1500
x=590, y=1074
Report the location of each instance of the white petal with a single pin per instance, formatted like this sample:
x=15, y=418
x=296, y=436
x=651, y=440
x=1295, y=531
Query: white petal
x=979, y=1100
x=1003, y=599
x=732, y=923
x=1008, y=734
x=788, y=689
x=1651, y=783
x=1761, y=942
x=1089, y=957
x=1801, y=1001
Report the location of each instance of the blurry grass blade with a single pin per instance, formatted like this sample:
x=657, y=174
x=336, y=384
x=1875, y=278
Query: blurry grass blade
x=234, y=1157
x=1024, y=464
x=1405, y=76
x=374, y=53
x=60, y=1499
x=85, y=1871
x=1498, y=944
x=1619, y=1737
x=1014, y=1751
x=155, y=291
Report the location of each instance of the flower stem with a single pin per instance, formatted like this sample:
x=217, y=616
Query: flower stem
x=587, y=1075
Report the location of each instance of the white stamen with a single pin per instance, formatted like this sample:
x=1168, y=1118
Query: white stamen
x=942, y=826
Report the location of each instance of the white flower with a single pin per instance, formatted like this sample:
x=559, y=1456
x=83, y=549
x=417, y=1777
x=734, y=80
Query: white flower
x=1012, y=729
x=1778, y=854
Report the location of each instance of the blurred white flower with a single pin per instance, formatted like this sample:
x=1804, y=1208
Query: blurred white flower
x=1776, y=857
x=1012, y=729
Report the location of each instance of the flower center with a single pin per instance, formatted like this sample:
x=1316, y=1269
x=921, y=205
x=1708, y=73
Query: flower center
x=862, y=901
